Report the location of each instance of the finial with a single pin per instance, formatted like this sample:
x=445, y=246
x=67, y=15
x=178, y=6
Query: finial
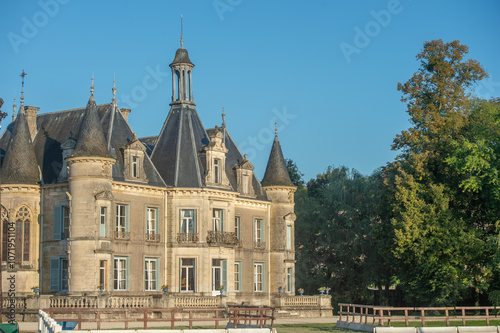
x=182, y=41
x=23, y=74
x=92, y=85
x=223, y=118
x=276, y=127
x=14, y=110
x=114, y=90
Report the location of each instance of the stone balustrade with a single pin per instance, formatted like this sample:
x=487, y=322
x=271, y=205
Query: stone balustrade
x=128, y=302
x=197, y=302
x=20, y=302
x=63, y=302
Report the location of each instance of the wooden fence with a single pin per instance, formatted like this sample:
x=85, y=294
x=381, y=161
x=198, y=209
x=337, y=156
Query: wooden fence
x=383, y=315
x=258, y=316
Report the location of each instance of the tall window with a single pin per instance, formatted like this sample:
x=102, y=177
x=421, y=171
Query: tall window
x=103, y=222
x=217, y=171
x=4, y=218
x=219, y=275
x=237, y=276
x=23, y=219
x=151, y=274
x=59, y=274
x=259, y=240
x=237, y=227
x=218, y=219
x=152, y=226
x=135, y=166
x=188, y=221
x=188, y=271
x=258, y=277
x=120, y=273
x=122, y=222
x=288, y=237
x=61, y=222
x=103, y=273
x=289, y=279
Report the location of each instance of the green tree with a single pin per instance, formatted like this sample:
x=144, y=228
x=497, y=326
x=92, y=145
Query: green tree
x=295, y=175
x=441, y=226
x=334, y=218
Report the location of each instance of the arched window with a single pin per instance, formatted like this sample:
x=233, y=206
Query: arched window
x=4, y=219
x=23, y=219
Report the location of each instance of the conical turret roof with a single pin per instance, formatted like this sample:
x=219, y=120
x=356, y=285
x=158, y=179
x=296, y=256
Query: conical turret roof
x=91, y=141
x=20, y=163
x=276, y=171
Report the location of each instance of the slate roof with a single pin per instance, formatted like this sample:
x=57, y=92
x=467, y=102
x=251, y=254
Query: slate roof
x=276, y=171
x=90, y=140
x=19, y=164
x=54, y=128
x=175, y=154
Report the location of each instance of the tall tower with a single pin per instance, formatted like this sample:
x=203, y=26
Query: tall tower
x=90, y=167
x=280, y=190
x=182, y=76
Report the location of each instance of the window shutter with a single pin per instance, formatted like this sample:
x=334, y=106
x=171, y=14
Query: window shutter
x=127, y=277
x=127, y=218
x=157, y=221
x=157, y=274
x=146, y=225
x=263, y=230
x=264, y=275
x=194, y=274
x=224, y=276
x=195, y=222
x=55, y=273
x=58, y=222
x=222, y=220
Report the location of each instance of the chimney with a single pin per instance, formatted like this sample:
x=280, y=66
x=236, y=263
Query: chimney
x=31, y=112
x=125, y=113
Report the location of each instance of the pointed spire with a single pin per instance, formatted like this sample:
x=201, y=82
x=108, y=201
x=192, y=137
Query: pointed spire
x=182, y=41
x=223, y=118
x=276, y=172
x=92, y=86
x=23, y=74
x=20, y=163
x=14, y=110
x=276, y=128
x=114, y=91
x=91, y=141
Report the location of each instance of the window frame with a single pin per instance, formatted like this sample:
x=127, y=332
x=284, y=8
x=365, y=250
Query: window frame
x=122, y=217
x=237, y=227
x=103, y=221
x=61, y=222
x=188, y=267
x=259, y=285
x=154, y=274
x=117, y=269
x=237, y=276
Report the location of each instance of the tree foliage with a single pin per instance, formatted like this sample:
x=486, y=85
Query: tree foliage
x=427, y=222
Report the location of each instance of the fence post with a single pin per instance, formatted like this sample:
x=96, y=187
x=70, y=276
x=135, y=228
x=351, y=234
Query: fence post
x=463, y=316
x=381, y=316
x=447, y=317
x=406, y=318
x=487, y=317
x=422, y=313
x=340, y=313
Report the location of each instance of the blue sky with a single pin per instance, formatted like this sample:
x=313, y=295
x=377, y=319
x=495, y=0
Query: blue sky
x=326, y=70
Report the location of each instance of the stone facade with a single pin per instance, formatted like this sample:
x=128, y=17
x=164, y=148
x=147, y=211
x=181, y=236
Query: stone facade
x=182, y=209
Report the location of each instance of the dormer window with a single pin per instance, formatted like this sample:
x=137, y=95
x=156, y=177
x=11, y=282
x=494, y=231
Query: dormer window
x=217, y=171
x=214, y=159
x=244, y=177
x=133, y=161
x=135, y=166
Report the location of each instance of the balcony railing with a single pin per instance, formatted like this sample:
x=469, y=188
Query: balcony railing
x=259, y=245
x=122, y=234
x=222, y=237
x=189, y=237
x=152, y=237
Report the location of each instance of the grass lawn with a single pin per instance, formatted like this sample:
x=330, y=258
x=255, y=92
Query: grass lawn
x=443, y=323
x=304, y=328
